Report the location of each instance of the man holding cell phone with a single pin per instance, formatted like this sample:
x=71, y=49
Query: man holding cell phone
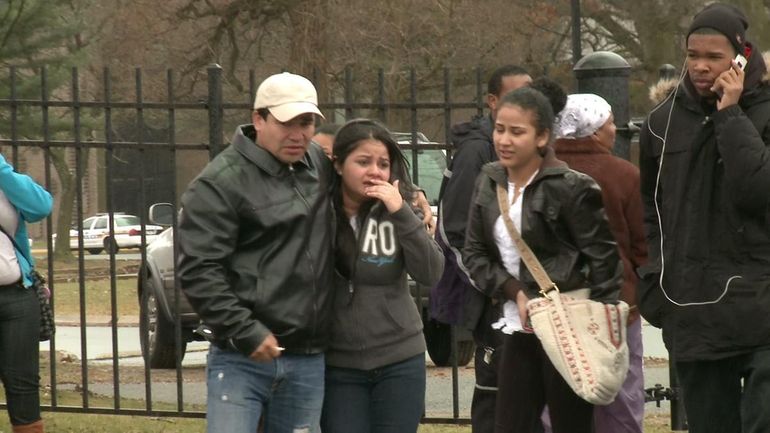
x=705, y=180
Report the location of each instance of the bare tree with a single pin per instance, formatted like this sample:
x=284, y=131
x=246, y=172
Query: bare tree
x=36, y=34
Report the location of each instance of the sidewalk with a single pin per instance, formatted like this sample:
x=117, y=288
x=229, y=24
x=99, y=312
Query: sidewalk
x=99, y=343
x=99, y=350
x=95, y=320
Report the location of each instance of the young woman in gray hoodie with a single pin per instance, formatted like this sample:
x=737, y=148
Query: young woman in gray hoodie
x=375, y=365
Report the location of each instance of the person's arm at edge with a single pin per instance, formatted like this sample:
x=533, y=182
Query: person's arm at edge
x=746, y=159
x=27, y=196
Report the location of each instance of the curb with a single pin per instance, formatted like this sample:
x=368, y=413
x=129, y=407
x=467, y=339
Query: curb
x=73, y=320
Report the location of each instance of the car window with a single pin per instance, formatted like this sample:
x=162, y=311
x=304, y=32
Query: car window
x=101, y=223
x=406, y=137
x=128, y=220
x=431, y=164
x=430, y=169
x=86, y=223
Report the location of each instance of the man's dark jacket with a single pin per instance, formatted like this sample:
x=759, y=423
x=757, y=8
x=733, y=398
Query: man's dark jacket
x=712, y=205
x=472, y=148
x=255, y=247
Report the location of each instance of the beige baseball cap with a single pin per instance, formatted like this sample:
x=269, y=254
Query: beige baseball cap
x=287, y=96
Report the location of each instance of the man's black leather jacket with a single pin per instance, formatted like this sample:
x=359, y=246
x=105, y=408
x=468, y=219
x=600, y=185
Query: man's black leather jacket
x=255, y=247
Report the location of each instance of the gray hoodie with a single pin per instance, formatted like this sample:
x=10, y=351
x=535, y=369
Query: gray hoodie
x=375, y=321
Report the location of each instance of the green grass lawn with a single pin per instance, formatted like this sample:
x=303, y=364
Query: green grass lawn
x=96, y=285
x=97, y=297
x=86, y=423
x=63, y=422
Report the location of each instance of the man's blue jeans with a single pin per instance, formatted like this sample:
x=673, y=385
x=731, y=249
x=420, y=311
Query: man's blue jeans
x=388, y=399
x=288, y=391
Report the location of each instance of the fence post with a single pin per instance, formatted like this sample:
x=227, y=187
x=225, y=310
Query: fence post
x=606, y=74
x=216, y=112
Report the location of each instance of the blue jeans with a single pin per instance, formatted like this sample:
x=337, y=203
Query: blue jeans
x=288, y=391
x=388, y=399
x=19, y=352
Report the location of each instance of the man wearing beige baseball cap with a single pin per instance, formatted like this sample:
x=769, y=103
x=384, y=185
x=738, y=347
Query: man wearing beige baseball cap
x=256, y=263
x=284, y=115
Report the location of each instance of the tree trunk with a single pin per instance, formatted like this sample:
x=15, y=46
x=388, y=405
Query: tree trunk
x=67, y=198
x=309, y=55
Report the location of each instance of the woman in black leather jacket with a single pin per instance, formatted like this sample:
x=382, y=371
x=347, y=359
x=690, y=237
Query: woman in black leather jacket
x=560, y=215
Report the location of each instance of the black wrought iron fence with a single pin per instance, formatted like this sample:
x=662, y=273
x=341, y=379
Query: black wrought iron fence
x=109, y=155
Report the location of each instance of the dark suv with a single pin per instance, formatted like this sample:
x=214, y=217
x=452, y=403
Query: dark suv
x=156, y=291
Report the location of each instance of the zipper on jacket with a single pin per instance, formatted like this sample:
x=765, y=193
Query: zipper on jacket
x=293, y=175
x=315, y=300
x=361, y=342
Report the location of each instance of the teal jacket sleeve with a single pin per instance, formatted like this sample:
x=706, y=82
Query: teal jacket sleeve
x=31, y=200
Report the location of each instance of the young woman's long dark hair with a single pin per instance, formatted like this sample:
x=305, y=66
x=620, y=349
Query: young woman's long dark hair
x=348, y=138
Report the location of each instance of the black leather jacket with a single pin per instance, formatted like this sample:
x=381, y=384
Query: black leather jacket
x=255, y=247
x=563, y=222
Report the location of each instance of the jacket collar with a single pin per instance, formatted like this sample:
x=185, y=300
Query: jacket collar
x=551, y=166
x=244, y=142
x=579, y=145
x=486, y=125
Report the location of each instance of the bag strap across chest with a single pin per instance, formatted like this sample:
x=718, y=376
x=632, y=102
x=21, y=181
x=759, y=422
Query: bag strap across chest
x=527, y=256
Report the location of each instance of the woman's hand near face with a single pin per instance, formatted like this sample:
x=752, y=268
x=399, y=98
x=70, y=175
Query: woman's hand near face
x=387, y=193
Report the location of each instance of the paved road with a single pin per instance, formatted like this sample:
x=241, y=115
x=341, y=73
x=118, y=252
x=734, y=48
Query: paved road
x=439, y=386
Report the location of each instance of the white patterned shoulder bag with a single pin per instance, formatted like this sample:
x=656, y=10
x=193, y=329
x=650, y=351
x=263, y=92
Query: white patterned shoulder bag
x=584, y=339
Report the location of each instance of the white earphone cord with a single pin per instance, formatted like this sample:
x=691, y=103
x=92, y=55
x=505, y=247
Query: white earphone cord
x=672, y=96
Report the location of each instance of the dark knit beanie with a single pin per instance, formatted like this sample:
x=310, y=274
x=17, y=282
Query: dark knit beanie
x=724, y=18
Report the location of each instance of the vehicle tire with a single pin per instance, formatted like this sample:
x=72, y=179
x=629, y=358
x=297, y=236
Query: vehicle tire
x=438, y=338
x=94, y=250
x=156, y=332
x=111, y=246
